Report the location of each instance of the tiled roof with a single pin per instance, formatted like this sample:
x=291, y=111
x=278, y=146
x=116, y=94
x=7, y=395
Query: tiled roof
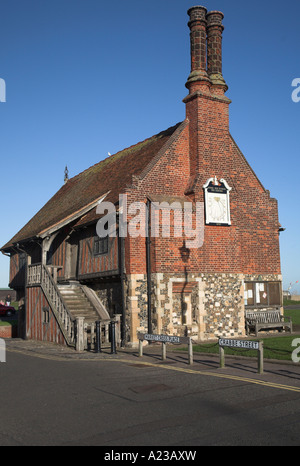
x=111, y=175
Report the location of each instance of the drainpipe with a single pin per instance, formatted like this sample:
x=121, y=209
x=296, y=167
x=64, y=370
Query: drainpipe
x=123, y=298
x=121, y=248
x=148, y=261
x=24, y=336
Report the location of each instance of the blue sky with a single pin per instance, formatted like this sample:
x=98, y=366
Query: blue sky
x=88, y=77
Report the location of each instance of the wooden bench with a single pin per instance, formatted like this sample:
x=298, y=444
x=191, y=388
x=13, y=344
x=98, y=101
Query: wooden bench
x=258, y=320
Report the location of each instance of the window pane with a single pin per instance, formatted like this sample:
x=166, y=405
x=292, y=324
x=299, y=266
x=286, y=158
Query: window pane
x=100, y=246
x=261, y=293
x=22, y=261
x=274, y=293
x=249, y=294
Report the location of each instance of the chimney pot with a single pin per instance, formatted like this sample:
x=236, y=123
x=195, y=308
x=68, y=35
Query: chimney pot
x=197, y=25
x=214, y=47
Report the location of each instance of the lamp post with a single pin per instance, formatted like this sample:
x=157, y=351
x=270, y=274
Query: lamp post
x=185, y=253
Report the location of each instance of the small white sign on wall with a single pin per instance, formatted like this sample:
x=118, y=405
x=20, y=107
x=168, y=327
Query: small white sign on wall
x=217, y=202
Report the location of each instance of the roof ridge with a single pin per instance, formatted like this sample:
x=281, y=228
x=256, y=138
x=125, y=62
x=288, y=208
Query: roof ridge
x=85, y=187
x=160, y=134
x=179, y=128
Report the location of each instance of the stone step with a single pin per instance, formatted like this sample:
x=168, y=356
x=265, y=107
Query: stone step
x=79, y=305
x=84, y=314
x=77, y=302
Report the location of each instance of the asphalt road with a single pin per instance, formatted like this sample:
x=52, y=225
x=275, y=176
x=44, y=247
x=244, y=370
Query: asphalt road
x=125, y=402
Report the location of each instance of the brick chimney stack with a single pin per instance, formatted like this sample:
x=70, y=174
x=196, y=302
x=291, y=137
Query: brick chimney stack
x=198, y=27
x=215, y=29
x=207, y=107
x=206, y=49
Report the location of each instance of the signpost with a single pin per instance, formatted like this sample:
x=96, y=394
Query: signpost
x=164, y=339
x=242, y=344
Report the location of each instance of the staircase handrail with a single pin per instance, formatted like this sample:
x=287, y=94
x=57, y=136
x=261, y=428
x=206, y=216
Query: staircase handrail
x=96, y=303
x=59, y=308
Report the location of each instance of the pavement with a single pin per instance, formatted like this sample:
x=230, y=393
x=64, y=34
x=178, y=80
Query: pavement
x=56, y=396
x=278, y=374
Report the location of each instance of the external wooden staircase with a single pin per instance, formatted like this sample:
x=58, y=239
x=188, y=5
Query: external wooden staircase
x=76, y=307
x=81, y=301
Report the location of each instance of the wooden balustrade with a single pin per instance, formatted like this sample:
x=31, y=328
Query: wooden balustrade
x=34, y=273
x=77, y=333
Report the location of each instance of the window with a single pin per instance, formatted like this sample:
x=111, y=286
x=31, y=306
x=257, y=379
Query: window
x=261, y=294
x=100, y=246
x=46, y=315
x=22, y=261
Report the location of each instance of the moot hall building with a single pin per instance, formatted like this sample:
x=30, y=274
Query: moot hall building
x=61, y=269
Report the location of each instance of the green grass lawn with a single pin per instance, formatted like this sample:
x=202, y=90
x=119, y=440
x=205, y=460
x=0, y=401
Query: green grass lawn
x=4, y=323
x=274, y=348
x=294, y=314
x=13, y=322
x=278, y=346
x=290, y=302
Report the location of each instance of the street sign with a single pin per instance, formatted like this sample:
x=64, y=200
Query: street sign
x=165, y=338
x=239, y=344
x=242, y=344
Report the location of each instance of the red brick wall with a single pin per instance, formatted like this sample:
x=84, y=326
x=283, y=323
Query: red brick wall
x=203, y=149
x=8, y=331
x=170, y=175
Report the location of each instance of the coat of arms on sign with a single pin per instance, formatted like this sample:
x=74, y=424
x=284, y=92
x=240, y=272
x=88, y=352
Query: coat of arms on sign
x=217, y=202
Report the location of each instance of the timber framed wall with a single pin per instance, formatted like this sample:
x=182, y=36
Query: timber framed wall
x=41, y=324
